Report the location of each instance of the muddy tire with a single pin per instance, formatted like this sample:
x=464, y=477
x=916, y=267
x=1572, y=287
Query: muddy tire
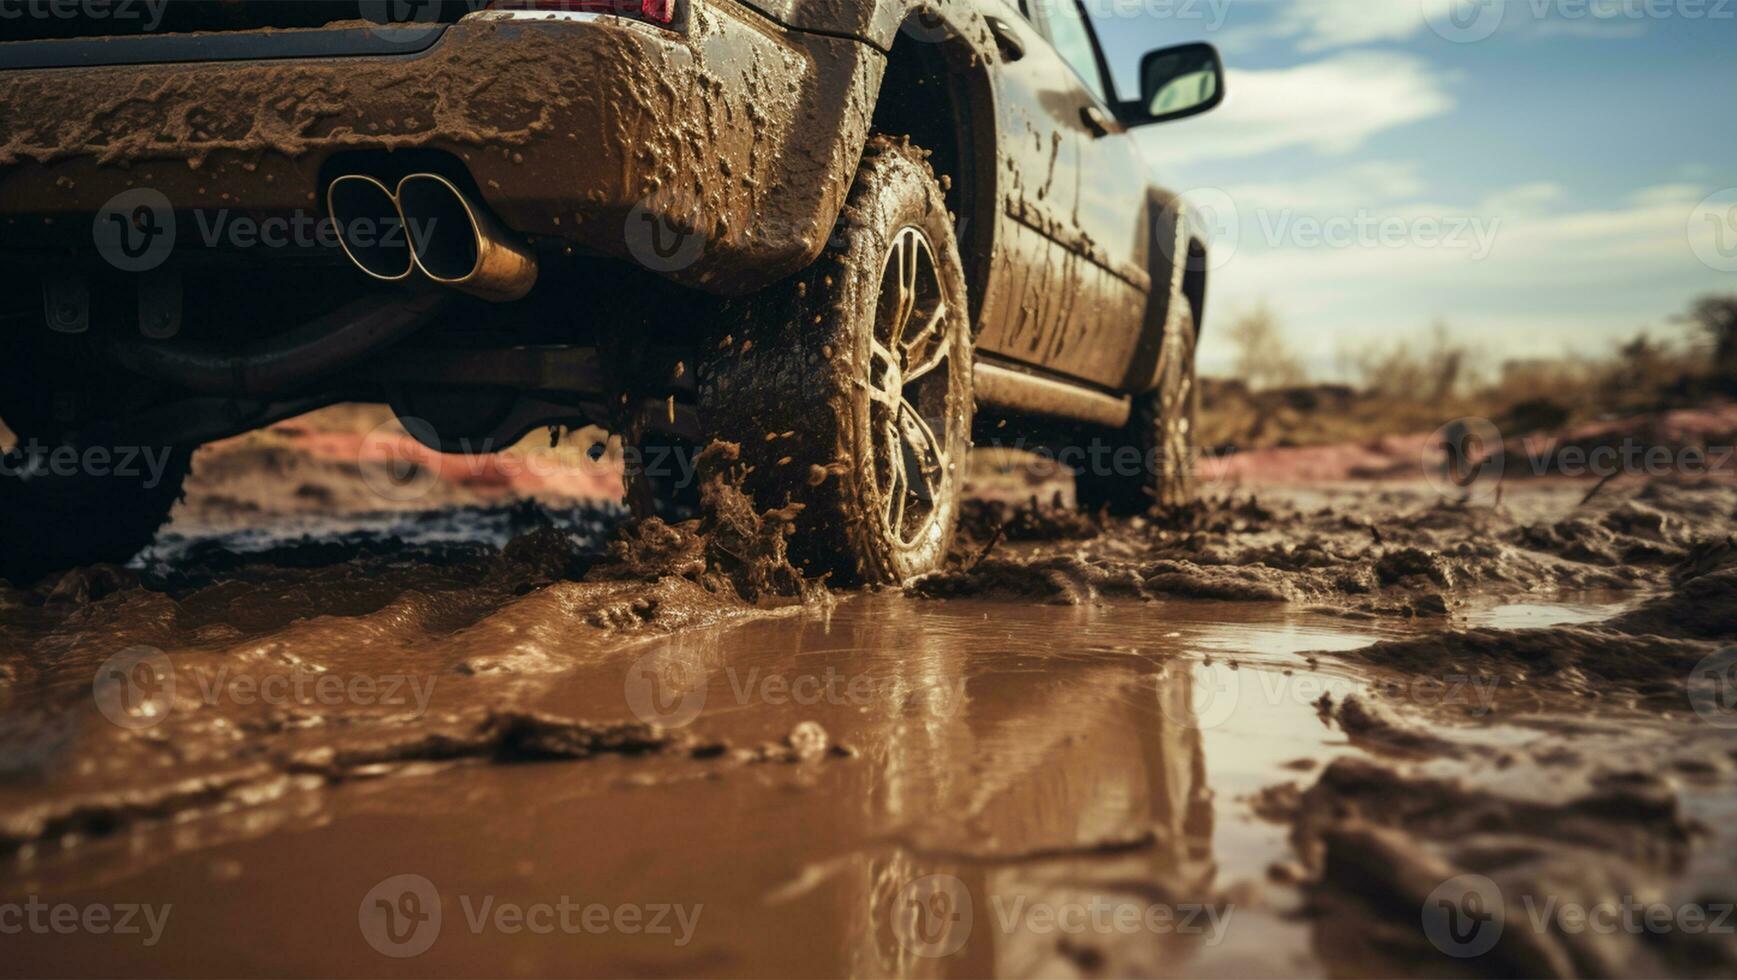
x=52, y=521
x=1162, y=428
x=848, y=386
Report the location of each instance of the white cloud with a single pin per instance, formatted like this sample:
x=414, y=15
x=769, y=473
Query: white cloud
x=1322, y=24
x=1523, y=199
x=1557, y=279
x=1359, y=185
x=1593, y=30
x=1330, y=106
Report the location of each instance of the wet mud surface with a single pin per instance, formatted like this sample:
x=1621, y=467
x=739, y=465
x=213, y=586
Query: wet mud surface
x=1256, y=738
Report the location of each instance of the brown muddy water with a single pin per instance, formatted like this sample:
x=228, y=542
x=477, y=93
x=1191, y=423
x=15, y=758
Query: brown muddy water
x=1342, y=732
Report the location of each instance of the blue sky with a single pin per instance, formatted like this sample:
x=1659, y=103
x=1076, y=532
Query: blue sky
x=1553, y=177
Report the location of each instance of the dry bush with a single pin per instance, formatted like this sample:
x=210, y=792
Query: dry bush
x=1416, y=387
x=1263, y=360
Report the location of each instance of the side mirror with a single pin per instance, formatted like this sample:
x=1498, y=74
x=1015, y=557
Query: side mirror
x=1176, y=83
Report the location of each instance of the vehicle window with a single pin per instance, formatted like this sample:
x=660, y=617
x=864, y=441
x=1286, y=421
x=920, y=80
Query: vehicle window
x=1073, y=40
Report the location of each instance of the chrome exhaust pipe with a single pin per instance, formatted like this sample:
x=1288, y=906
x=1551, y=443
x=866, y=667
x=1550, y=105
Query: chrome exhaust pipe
x=370, y=227
x=459, y=243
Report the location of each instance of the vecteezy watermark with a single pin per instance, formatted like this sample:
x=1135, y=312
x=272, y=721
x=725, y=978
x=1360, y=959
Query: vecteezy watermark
x=403, y=916
x=36, y=917
x=403, y=460
x=1213, y=215
x=144, y=464
x=667, y=687
x=1464, y=460
x=659, y=240
x=1463, y=21
x=670, y=687
x=1466, y=916
x=411, y=22
x=1713, y=230
x=226, y=229
x=1467, y=21
x=1208, y=15
x=1629, y=915
x=396, y=460
x=1712, y=688
x=1366, y=229
x=147, y=13
x=135, y=230
x=1113, y=459
x=934, y=916
x=136, y=688
x=930, y=26
x=1467, y=459
x=1212, y=694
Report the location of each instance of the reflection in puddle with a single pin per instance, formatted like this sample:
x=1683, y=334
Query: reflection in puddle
x=1541, y=615
x=1070, y=784
x=1020, y=791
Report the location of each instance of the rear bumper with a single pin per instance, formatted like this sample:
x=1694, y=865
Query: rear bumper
x=718, y=155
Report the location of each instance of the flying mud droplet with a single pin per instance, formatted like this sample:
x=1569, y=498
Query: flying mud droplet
x=400, y=917
x=135, y=230
x=135, y=688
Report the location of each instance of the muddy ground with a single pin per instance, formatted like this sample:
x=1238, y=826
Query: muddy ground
x=357, y=717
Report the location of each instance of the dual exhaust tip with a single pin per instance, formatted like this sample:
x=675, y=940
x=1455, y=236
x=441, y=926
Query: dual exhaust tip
x=429, y=224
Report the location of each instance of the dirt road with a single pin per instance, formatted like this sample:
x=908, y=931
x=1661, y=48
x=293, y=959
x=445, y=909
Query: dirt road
x=1328, y=730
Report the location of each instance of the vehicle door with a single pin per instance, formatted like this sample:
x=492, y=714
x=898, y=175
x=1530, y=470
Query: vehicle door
x=1035, y=280
x=1111, y=224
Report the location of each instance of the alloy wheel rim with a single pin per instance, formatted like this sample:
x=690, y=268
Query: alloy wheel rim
x=909, y=387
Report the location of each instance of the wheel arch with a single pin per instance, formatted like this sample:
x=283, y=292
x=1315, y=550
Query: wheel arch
x=1194, y=282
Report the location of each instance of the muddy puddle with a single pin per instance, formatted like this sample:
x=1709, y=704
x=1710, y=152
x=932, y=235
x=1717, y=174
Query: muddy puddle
x=1342, y=731
x=887, y=787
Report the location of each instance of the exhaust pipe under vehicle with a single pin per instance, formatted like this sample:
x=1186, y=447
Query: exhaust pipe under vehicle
x=453, y=240
x=460, y=244
x=370, y=227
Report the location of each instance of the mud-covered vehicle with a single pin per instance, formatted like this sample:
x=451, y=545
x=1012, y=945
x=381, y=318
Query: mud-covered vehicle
x=844, y=235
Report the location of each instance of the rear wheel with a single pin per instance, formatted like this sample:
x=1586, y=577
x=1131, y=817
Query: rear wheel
x=61, y=508
x=848, y=386
x=1162, y=428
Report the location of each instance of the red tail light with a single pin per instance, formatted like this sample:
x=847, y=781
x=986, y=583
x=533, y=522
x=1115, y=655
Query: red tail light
x=657, y=11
